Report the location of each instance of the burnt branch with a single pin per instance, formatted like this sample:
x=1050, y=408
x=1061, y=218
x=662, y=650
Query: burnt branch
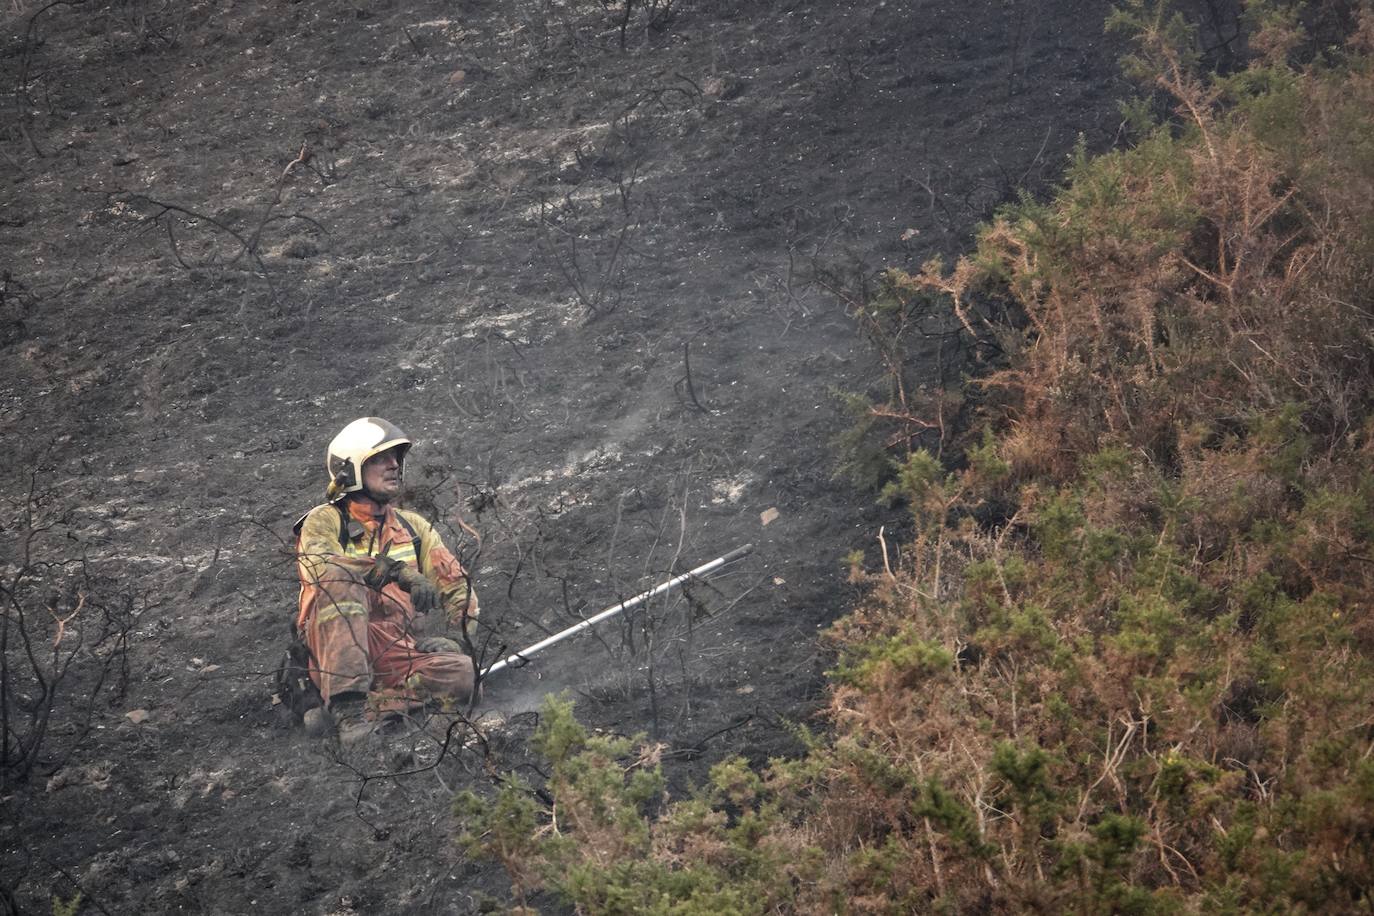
x=686, y=380
x=30, y=44
x=64, y=636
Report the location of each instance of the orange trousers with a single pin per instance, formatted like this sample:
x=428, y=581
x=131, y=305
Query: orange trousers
x=363, y=641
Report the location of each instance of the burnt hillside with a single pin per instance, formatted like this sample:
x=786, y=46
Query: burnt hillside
x=576, y=262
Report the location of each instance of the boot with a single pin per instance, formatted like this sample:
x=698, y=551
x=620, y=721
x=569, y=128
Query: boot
x=318, y=723
x=346, y=717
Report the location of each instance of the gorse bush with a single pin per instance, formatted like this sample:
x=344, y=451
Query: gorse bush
x=598, y=846
x=1144, y=682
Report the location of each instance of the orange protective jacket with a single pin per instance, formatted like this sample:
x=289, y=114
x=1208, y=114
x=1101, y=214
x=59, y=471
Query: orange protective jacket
x=351, y=533
x=364, y=640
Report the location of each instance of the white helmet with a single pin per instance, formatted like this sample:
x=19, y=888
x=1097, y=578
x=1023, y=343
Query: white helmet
x=355, y=443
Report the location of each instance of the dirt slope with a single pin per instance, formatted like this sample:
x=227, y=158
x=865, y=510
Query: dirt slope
x=231, y=227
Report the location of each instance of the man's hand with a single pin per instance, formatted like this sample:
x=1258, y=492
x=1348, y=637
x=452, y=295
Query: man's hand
x=423, y=594
x=437, y=644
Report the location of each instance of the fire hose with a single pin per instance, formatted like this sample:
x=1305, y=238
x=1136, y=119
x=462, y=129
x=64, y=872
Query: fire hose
x=623, y=606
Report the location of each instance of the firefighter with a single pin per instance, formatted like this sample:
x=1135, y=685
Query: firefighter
x=378, y=591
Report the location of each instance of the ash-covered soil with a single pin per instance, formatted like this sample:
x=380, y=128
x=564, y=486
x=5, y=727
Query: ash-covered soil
x=575, y=264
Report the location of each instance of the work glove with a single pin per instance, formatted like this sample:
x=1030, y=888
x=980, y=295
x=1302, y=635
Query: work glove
x=423, y=593
x=424, y=596
x=437, y=644
x=384, y=571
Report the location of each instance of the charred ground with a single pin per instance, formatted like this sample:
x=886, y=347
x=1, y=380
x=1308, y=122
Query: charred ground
x=229, y=228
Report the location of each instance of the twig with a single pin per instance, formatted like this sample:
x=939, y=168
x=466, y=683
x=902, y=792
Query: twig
x=247, y=246
x=301, y=158
x=62, y=621
x=883, y=541
x=691, y=389
x=690, y=751
x=22, y=80
x=1038, y=154
x=367, y=778
x=419, y=49
x=86, y=896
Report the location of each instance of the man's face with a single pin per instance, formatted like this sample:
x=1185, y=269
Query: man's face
x=382, y=476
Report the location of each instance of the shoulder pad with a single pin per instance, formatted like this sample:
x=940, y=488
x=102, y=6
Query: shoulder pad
x=300, y=522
